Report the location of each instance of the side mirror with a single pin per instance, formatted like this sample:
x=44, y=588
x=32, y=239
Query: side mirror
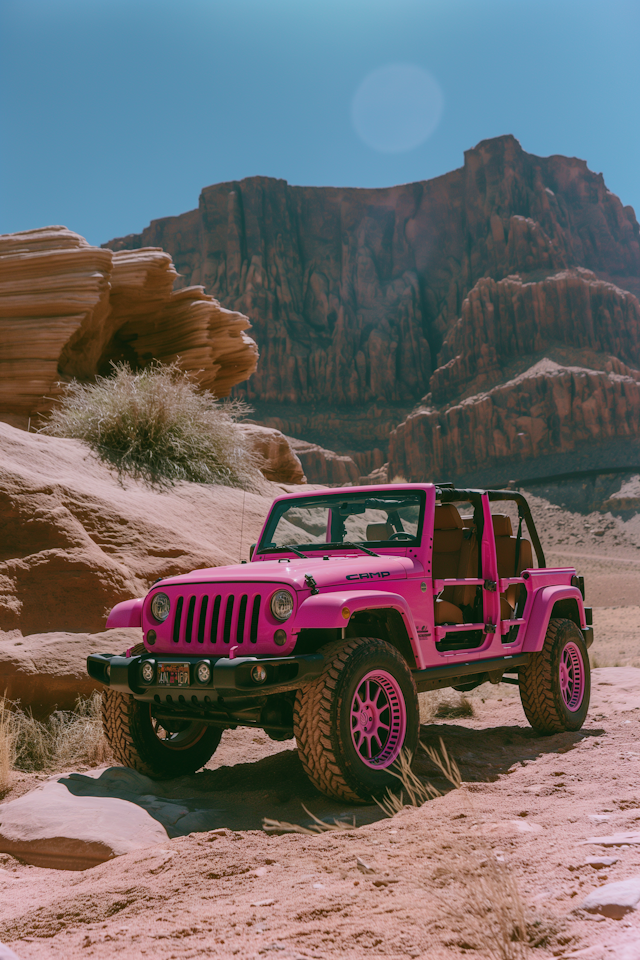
x=251, y=549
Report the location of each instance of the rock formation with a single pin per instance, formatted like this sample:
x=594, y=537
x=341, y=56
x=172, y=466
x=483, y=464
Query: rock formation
x=274, y=453
x=549, y=420
x=67, y=308
x=366, y=301
x=75, y=541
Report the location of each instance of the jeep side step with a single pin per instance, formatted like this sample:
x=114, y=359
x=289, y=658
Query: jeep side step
x=434, y=677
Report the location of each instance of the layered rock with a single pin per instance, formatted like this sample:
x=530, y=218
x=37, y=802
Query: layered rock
x=67, y=308
x=551, y=419
x=360, y=298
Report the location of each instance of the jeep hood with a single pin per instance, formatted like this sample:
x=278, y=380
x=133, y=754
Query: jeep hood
x=336, y=571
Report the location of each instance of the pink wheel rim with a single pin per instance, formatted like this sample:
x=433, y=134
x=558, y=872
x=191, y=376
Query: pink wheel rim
x=572, y=676
x=378, y=719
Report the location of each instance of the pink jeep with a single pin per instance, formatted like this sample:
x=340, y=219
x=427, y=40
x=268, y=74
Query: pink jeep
x=353, y=601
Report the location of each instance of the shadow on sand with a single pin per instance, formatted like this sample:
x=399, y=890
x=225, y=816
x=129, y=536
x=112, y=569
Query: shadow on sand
x=238, y=797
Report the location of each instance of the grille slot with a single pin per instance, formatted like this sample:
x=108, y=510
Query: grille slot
x=254, y=619
x=227, y=619
x=190, y=611
x=203, y=617
x=242, y=613
x=177, y=619
x=215, y=616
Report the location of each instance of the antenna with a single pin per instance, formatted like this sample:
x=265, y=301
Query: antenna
x=244, y=493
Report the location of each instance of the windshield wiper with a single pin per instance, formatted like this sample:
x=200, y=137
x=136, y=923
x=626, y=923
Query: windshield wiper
x=358, y=546
x=295, y=550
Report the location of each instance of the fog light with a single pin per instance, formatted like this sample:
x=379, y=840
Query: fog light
x=147, y=671
x=259, y=674
x=151, y=637
x=203, y=673
x=280, y=637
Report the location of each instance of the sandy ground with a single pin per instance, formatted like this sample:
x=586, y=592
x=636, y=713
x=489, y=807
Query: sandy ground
x=527, y=814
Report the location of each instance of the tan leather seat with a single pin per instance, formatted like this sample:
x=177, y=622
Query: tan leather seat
x=506, y=546
x=446, y=612
x=379, y=531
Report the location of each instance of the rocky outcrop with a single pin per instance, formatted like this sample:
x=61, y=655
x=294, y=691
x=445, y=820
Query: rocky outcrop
x=75, y=541
x=67, y=309
x=509, y=319
x=274, y=454
x=325, y=466
x=551, y=419
x=366, y=299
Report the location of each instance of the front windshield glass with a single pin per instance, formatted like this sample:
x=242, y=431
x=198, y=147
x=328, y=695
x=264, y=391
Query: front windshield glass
x=393, y=518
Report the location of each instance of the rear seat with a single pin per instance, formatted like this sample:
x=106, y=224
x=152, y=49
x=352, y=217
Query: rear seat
x=506, y=545
x=455, y=556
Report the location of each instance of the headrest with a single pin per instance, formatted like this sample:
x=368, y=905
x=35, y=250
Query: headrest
x=379, y=531
x=502, y=525
x=447, y=517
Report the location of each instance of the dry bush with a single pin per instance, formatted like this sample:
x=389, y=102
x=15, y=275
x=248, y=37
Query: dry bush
x=67, y=738
x=7, y=745
x=444, y=704
x=155, y=425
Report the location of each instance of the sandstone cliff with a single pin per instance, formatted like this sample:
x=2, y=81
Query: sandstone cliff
x=550, y=419
x=67, y=308
x=356, y=295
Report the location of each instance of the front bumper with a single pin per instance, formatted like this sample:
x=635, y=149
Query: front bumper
x=229, y=677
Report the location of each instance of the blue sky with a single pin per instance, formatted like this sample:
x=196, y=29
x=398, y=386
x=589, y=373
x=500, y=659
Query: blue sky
x=116, y=112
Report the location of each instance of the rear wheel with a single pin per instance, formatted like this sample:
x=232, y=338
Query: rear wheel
x=352, y=723
x=555, y=686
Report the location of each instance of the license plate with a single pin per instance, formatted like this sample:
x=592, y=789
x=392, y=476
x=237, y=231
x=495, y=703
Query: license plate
x=173, y=674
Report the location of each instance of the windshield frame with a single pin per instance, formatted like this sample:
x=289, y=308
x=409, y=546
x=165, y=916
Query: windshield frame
x=312, y=500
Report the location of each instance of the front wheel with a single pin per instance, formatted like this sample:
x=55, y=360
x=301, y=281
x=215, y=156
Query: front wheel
x=555, y=686
x=159, y=748
x=352, y=723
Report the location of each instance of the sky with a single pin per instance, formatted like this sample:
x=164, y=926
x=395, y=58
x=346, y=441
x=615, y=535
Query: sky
x=117, y=112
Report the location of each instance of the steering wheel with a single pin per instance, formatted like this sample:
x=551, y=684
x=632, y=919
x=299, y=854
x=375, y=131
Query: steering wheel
x=401, y=535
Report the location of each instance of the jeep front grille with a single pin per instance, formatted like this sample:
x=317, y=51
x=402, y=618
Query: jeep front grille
x=217, y=618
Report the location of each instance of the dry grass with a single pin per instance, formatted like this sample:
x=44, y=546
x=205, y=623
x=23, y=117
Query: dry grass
x=444, y=705
x=67, y=738
x=319, y=826
x=155, y=425
x=7, y=746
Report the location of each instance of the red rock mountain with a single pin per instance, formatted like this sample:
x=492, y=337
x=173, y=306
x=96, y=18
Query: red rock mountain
x=422, y=301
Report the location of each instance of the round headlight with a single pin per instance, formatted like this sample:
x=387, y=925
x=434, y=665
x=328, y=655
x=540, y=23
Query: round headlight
x=147, y=671
x=160, y=607
x=203, y=672
x=282, y=605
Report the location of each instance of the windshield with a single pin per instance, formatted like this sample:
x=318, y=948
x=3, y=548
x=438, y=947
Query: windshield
x=391, y=518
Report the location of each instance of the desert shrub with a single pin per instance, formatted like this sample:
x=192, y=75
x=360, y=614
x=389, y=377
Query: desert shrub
x=66, y=738
x=155, y=425
x=7, y=745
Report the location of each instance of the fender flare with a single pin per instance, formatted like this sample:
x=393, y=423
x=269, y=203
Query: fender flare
x=540, y=615
x=328, y=610
x=126, y=614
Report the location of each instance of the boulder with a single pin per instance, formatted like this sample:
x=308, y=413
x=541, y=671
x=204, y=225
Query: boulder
x=325, y=466
x=613, y=900
x=48, y=671
x=275, y=457
x=51, y=827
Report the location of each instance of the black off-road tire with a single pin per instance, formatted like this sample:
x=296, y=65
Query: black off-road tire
x=321, y=718
x=540, y=685
x=131, y=732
